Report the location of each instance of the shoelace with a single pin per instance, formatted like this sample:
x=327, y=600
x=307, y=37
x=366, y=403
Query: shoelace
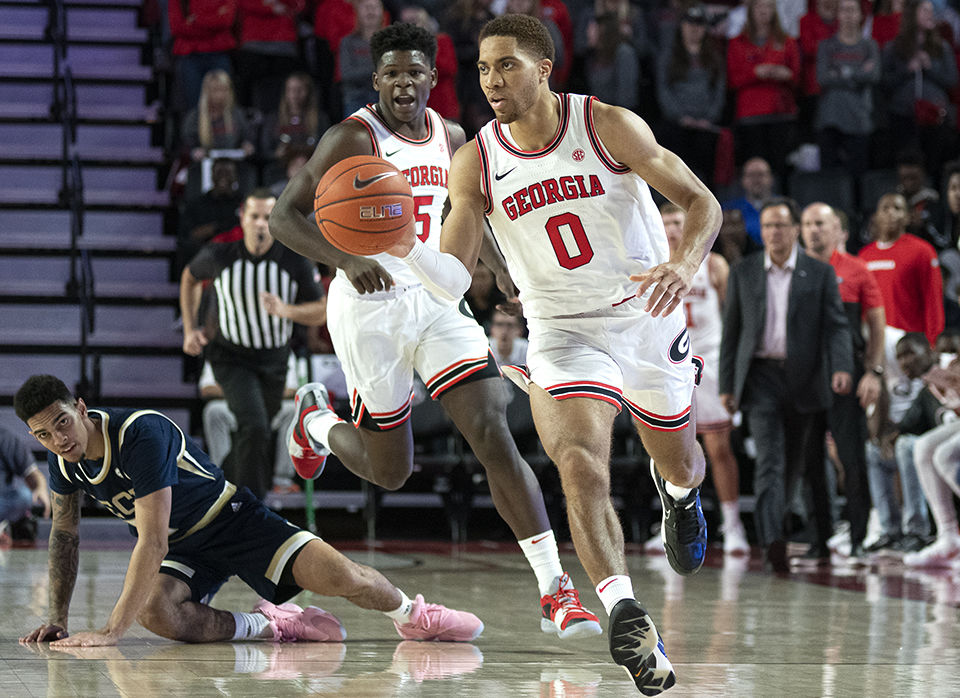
x=688, y=523
x=568, y=598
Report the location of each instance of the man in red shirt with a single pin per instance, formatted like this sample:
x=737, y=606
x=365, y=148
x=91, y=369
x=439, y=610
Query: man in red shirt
x=907, y=271
x=822, y=235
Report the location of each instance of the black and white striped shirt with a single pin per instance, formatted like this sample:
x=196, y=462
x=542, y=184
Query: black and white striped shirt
x=239, y=277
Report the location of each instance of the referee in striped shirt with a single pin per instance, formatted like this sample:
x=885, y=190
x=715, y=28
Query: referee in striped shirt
x=262, y=288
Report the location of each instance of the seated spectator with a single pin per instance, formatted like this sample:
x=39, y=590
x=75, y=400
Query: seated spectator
x=890, y=453
x=906, y=269
x=885, y=21
x=613, y=66
x=691, y=89
x=22, y=488
x=923, y=202
x=763, y=70
x=556, y=11
x=815, y=26
x=950, y=256
x=219, y=423
x=268, y=51
x=212, y=213
x=333, y=20
x=293, y=161
x=355, y=64
x=443, y=97
x=296, y=122
x=463, y=21
x=506, y=339
x=732, y=240
x=203, y=38
x=756, y=179
x=919, y=72
x=847, y=68
x=217, y=123
x=937, y=459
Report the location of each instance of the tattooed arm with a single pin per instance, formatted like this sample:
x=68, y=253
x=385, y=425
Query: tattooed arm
x=63, y=557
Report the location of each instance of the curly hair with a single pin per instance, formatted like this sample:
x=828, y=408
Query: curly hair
x=39, y=392
x=531, y=35
x=403, y=37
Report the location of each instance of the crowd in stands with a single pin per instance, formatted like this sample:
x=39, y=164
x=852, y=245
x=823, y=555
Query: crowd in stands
x=780, y=91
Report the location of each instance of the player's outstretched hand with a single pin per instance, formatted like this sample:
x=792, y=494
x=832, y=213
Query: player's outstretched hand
x=93, y=638
x=670, y=282
x=45, y=633
x=366, y=274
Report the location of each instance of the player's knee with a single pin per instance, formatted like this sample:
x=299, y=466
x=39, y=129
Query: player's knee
x=393, y=478
x=582, y=470
x=157, y=618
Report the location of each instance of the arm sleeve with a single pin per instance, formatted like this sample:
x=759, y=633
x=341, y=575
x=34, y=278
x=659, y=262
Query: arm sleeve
x=442, y=273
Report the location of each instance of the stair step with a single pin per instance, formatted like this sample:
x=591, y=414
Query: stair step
x=48, y=174
x=91, y=138
x=114, y=223
x=50, y=153
x=22, y=271
x=59, y=241
x=80, y=34
x=112, y=199
x=163, y=292
x=39, y=112
x=81, y=73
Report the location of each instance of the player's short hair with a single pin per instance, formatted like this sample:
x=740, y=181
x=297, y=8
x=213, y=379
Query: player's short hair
x=531, y=35
x=791, y=205
x=403, y=37
x=259, y=193
x=668, y=207
x=37, y=393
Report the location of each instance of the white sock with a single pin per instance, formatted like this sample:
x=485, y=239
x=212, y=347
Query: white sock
x=676, y=491
x=249, y=625
x=402, y=613
x=248, y=659
x=731, y=515
x=614, y=589
x=541, y=552
x=318, y=425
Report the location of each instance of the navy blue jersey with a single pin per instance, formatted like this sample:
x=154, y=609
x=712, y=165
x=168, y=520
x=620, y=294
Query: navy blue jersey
x=144, y=451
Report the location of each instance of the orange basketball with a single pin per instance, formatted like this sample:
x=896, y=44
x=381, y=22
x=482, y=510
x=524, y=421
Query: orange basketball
x=363, y=205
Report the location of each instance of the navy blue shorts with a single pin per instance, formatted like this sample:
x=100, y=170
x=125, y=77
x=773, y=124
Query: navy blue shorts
x=246, y=539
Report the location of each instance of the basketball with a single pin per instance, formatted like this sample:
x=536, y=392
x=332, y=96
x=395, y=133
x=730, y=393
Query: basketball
x=363, y=205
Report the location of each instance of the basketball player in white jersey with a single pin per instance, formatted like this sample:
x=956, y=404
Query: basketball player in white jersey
x=385, y=324
x=701, y=310
x=563, y=181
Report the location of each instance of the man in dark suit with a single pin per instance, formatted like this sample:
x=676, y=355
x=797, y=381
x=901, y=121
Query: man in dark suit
x=786, y=345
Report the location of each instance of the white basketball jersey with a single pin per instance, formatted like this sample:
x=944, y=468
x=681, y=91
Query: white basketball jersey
x=426, y=164
x=701, y=306
x=572, y=222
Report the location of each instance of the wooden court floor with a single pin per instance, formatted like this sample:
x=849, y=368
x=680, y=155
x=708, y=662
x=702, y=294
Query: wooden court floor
x=732, y=630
